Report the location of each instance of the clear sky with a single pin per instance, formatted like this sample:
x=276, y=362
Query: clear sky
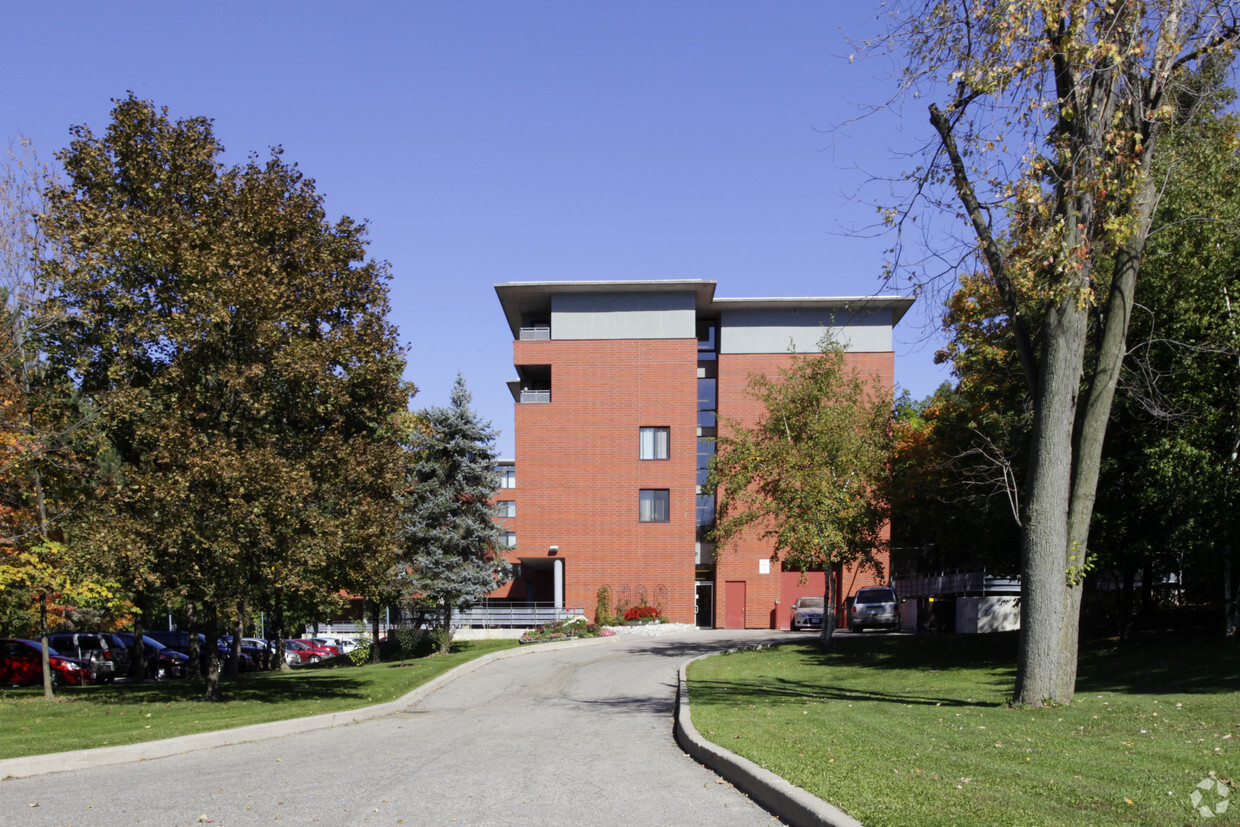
x=519, y=141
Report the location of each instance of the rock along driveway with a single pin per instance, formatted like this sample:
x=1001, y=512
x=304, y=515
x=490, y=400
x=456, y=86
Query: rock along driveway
x=578, y=735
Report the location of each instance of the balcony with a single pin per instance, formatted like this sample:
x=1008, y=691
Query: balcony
x=537, y=397
x=535, y=334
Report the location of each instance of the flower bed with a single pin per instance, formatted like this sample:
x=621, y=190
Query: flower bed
x=642, y=614
x=571, y=629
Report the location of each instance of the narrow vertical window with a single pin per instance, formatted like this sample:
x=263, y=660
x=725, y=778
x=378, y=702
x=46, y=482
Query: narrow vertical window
x=653, y=505
x=654, y=443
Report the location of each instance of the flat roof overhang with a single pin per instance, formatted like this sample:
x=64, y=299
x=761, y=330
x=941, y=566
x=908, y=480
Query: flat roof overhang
x=898, y=305
x=525, y=297
x=522, y=297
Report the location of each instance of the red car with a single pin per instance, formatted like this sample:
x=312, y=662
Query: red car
x=311, y=652
x=21, y=662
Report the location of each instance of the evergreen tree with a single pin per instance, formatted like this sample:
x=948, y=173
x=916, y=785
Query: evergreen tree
x=450, y=533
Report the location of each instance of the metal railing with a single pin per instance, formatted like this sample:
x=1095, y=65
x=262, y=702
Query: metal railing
x=527, y=334
x=515, y=615
x=540, y=397
x=961, y=584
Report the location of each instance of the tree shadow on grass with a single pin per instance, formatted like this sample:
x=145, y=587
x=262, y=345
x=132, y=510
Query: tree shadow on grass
x=267, y=688
x=1162, y=664
x=773, y=690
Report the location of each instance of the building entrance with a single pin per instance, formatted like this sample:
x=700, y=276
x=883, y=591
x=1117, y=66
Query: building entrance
x=704, y=605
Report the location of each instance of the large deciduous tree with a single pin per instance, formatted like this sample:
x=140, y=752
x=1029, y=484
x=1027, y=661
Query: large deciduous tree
x=239, y=342
x=451, y=539
x=1046, y=139
x=810, y=475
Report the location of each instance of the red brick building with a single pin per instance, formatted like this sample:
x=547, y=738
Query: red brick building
x=620, y=385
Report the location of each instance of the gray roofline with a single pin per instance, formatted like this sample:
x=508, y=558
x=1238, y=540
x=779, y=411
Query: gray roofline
x=898, y=305
x=518, y=297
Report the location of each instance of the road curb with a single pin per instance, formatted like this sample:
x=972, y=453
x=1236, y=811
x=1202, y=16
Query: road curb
x=790, y=803
x=31, y=765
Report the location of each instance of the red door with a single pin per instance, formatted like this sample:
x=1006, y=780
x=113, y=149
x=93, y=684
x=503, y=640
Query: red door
x=734, y=604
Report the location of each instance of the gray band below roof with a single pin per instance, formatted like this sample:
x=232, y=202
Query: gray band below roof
x=778, y=330
x=623, y=316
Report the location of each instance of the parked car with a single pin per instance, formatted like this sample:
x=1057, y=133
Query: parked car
x=297, y=653
x=179, y=641
x=263, y=651
x=807, y=613
x=21, y=662
x=315, y=652
x=331, y=644
x=874, y=607
x=251, y=654
x=107, y=654
x=162, y=663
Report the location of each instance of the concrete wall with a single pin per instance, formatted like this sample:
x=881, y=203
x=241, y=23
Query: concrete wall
x=978, y=615
x=774, y=330
x=623, y=316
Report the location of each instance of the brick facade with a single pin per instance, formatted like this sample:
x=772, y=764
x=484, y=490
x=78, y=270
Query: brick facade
x=768, y=596
x=578, y=471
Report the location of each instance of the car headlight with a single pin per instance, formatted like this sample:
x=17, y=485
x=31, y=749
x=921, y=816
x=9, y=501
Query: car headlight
x=70, y=666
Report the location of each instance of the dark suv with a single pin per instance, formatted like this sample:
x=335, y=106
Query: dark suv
x=874, y=607
x=105, y=652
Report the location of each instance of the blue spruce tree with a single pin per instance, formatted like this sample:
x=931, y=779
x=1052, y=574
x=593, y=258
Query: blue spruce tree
x=450, y=535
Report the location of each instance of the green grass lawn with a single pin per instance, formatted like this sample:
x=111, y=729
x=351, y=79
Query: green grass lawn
x=98, y=716
x=904, y=730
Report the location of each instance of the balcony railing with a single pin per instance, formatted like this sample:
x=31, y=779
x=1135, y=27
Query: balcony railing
x=537, y=397
x=528, y=334
x=514, y=615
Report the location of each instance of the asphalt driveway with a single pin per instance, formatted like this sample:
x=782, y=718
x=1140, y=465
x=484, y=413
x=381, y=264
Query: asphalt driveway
x=578, y=735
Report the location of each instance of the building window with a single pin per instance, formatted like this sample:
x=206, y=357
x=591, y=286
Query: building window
x=653, y=502
x=654, y=443
x=705, y=509
x=508, y=539
x=506, y=508
x=507, y=476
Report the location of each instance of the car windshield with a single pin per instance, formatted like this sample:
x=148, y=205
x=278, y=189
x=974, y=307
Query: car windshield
x=810, y=603
x=152, y=643
x=876, y=596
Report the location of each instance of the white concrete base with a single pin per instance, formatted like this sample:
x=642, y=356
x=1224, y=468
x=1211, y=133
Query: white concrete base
x=488, y=634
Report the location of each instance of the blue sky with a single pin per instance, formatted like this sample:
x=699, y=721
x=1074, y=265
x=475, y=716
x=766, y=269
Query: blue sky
x=519, y=141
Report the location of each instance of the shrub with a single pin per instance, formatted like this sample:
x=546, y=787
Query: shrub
x=361, y=655
x=602, y=608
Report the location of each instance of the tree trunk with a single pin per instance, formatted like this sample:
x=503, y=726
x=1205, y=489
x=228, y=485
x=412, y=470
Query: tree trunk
x=278, y=618
x=234, y=653
x=445, y=632
x=374, y=631
x=45, y=657
x=828, y=609
x=211, y=631
x=1091, y=426
x=193, y=666
x=1045, y=537
x=137, y=662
